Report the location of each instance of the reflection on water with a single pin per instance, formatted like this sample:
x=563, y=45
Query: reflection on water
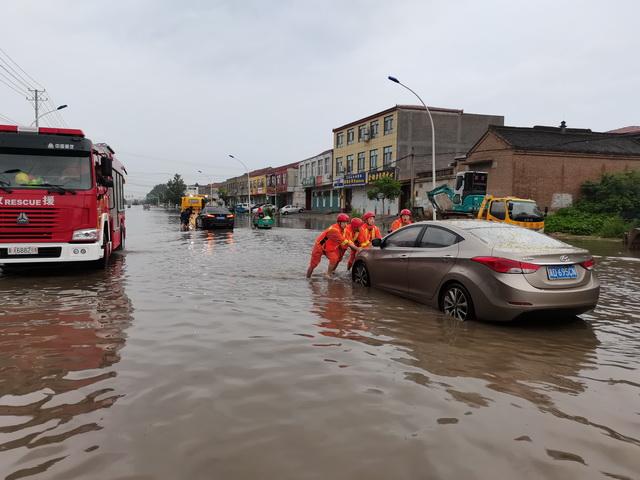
x=58, y=347
x=236, y=366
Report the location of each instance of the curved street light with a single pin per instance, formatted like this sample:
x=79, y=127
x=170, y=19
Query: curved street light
x=248, y=181
x=47, y=113
x=433, y=141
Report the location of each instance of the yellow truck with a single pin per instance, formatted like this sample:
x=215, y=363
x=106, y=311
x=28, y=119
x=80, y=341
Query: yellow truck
x=196, y=202
x=512, y=210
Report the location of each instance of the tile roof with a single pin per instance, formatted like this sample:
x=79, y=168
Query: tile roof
x=629, y=129
x=570, y=140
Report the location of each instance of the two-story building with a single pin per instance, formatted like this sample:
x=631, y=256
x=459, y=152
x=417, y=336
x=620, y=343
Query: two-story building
x=258, y=179
x=397, y=142
x=316, y=177
x=281, y=184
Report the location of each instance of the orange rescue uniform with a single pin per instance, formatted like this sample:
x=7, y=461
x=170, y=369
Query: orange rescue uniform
x=399, y=223
x=332, y=243
x=370, y=232
x=356, y=237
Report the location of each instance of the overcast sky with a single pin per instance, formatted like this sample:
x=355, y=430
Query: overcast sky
x=177, y=86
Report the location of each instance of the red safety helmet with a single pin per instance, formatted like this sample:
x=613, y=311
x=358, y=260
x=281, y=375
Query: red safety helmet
x=343, y=217
x=405, y=211
x=356, y=223
x=368, y=215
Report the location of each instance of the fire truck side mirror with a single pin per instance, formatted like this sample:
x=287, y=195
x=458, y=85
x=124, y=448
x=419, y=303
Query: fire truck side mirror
x=106, y=167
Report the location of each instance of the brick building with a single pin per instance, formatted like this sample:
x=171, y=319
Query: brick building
x=549, y=164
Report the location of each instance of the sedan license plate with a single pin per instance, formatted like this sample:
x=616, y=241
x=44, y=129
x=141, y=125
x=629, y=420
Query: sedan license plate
x=22, y=250
x=562, y=272
x=222, y=217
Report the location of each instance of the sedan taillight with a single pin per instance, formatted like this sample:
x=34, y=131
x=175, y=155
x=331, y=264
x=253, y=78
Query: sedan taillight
x=588, y=264
x=505, y=265
x=230, y=215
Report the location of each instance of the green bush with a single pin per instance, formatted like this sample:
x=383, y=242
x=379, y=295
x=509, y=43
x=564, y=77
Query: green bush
x=614, y=227
x=573, y=221
x=617, y=193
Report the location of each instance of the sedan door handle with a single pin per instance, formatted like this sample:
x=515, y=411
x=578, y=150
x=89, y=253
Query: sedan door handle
x=446, y=258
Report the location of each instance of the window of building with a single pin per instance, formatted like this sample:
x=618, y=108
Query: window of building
x=362, y=132
x=388, y=124
x=313, y=169
x=320, y=167
x=373, y=160
x=387, y=156
x=339, y=166
x=350, y=136
x=373, y=130
x=349, y=163
x=339, y=139
x=361, y=161
x=327, y=170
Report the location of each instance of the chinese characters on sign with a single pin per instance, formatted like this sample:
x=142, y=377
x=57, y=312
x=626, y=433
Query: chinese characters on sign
x=373, y=176
x=355, y=179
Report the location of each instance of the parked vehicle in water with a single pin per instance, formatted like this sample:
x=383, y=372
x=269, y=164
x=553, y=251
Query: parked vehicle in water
x=477, y=269
x=264, y=206
x=61, y=197
x=512, y=210
x=215, y=217
x=287, y=209
x=241, y=207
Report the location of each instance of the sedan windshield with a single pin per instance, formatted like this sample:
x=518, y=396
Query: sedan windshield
x=33, y=171
x=525, y=211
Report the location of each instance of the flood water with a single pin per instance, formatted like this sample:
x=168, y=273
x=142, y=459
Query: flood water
x=209, y=355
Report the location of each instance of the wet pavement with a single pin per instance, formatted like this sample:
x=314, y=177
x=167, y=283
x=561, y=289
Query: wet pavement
x=204, y=355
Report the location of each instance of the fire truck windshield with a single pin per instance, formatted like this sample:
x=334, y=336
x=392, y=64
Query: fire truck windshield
x=32, y=171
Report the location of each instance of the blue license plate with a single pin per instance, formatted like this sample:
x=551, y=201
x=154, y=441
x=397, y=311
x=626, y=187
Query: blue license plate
x=222, y=217
x=562, y=272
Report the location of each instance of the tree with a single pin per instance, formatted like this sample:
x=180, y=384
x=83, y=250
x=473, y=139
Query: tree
x=224, y=196
x=175, y=190
x=617, y=193
x=157, y=194
x=385, y=188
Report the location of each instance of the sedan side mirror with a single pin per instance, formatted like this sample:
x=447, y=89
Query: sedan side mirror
x=376, y=242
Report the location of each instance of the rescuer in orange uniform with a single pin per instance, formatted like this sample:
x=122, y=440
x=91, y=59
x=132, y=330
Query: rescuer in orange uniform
x=353, y=231
x=332, y=243
x=405, y=219
x=371, y=231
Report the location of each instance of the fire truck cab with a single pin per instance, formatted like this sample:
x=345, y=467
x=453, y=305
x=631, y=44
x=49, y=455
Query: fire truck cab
x=61, y=197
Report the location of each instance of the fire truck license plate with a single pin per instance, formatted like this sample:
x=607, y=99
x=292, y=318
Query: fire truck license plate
x=22, y=250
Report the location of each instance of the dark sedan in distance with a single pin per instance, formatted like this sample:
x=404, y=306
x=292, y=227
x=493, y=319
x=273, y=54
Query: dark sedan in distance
x=215, y=217
x=479, y=269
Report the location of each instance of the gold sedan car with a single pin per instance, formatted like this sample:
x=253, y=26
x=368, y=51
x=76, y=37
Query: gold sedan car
x=476, y=269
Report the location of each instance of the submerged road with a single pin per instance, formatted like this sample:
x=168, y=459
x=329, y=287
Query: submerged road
x=203, y=355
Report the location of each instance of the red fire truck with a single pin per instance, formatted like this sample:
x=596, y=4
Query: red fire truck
x=61, y=197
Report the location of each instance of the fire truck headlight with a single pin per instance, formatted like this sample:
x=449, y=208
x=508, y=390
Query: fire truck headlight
x=85, y=235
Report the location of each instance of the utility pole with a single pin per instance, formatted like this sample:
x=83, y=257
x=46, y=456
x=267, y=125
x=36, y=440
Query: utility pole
x=38, y=96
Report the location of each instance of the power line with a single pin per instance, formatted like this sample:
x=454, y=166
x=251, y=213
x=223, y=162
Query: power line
x=13, y=75
x=8, y=119
x=21, y=69
x=21, y=93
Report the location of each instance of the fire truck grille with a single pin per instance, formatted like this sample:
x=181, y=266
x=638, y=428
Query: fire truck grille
x=27, y=224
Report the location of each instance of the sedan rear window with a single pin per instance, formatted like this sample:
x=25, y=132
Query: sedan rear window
x=216, y=211
x=514, y=237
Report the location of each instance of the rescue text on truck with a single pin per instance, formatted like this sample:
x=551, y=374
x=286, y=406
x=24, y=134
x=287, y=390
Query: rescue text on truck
x=61, y=197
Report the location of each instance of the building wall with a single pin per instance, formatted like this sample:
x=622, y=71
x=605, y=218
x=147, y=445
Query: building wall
x=456, y=132
x=360, y=201
x=553, y=180
x=379, y=142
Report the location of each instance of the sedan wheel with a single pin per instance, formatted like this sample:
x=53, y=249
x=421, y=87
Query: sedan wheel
x=360, y=275
x=456, y=302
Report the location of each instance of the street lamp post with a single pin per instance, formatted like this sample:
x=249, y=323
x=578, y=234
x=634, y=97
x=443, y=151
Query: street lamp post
x=36, y=121
x=433, y=142
x=210, y=185
x=248, y=180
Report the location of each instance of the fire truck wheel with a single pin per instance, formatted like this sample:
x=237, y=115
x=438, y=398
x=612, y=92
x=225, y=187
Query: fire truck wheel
x=106, y=249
